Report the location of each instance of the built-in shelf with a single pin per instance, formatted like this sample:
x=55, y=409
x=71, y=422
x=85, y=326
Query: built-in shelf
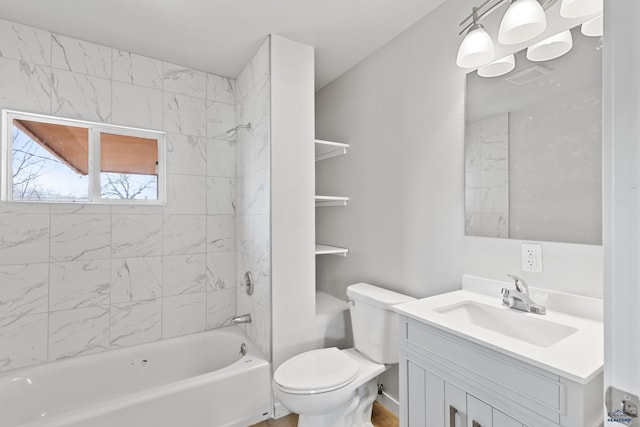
x=330, y=250
x=329, y=149
x=331, y=201
x=326, y=303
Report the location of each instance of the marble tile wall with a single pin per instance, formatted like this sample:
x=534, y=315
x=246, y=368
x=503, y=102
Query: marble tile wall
x=487, y=177
x=77, y=279
x=253, y=238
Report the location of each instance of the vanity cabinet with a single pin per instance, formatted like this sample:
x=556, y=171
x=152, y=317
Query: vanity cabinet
x=433, y=402
x=449, y=381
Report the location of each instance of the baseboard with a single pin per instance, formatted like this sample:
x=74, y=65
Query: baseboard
x=389, y=402
x=279, y=410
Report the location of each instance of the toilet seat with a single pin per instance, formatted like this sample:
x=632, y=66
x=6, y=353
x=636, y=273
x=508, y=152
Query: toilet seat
x=316, y=371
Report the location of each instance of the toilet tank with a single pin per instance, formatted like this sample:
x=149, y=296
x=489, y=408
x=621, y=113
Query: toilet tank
x=375, y=326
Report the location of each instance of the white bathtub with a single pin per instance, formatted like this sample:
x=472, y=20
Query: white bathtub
x=199, y=380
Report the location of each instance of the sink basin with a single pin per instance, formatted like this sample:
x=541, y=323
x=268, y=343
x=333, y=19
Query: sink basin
x=509, y=322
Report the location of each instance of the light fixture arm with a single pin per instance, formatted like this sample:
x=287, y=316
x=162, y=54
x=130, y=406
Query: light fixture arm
x=476, y=17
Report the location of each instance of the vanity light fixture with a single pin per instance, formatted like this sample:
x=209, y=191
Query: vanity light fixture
x=498, y=68
x=550, y=48
x=477, y=47
x=594, y=27
x=524, y=20
x=580, y=8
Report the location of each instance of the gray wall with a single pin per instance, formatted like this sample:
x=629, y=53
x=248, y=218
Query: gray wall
x=402, y=110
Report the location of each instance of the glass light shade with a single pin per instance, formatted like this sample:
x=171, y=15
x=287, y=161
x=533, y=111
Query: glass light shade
x=580, y=8
x=594, y=27
x=476, y=49
x=524, y=20
x=550, y=48
x=498, y=68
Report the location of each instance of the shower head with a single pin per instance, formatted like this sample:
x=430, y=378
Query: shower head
x=233, y=131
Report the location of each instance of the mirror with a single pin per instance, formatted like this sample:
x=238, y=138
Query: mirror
x=533, y=148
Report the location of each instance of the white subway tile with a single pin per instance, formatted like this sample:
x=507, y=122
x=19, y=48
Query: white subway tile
x=136, y=279
x=25, y=238
x=27, y=44
x=80, y=237
x=136, y=235
x=77, y=284
x=24, y=289
x=81, y=56
x=183, y=314
x=80, y=96
x=184, y=274
x=23, y=341
x=78, y=332
x=137, y=106
x=136, y=69
x=136, y=323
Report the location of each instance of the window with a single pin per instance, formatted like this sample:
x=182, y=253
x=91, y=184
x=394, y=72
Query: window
x=49, y=159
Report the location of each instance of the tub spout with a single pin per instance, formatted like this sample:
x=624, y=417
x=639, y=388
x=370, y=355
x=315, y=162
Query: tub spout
x=243, y=318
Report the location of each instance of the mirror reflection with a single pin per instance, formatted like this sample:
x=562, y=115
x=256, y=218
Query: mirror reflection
x=533, y=148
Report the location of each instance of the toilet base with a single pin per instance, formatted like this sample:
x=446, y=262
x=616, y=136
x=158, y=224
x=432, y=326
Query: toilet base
x=356, y=413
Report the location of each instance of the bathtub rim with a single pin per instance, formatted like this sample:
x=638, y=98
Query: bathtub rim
x=252, y=349
x=254, y=359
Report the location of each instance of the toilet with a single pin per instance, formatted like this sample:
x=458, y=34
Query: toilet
x=336, y=388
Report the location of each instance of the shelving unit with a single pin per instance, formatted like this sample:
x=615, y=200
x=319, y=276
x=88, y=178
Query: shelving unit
x=329, y=149
x=326, y=303
x=322, y=201
x=330, y=250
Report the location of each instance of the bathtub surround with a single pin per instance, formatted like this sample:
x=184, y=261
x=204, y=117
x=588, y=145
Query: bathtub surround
x=253, y=228
x=160, y=384
x=77, y=279
x=404, y=224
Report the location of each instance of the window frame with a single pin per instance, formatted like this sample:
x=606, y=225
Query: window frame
x=94, y=130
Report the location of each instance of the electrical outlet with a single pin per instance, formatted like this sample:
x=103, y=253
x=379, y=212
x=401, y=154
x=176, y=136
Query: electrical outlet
x=532, y=257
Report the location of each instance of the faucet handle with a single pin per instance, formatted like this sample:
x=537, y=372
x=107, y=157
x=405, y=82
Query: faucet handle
x=520, y=284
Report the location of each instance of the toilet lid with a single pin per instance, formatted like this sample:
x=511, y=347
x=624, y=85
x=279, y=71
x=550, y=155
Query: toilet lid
x=317, y=370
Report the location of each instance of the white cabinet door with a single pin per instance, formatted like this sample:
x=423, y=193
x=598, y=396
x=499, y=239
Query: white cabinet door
x=435, y=400
x=478, y=413
x=425, y=398
x=455, y=406
x=416, y=396
x=502, y=420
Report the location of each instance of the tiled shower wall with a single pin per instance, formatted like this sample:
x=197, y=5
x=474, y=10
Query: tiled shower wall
x=78, y=279
x=253, y=239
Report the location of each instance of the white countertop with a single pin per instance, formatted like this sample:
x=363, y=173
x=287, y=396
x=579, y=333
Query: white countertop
x=578, y=357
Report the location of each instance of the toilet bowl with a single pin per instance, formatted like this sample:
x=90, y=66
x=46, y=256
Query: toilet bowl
x=336, y=388
x=328, y=385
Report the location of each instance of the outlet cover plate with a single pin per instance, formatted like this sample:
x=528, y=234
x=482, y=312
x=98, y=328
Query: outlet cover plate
x=532, y=257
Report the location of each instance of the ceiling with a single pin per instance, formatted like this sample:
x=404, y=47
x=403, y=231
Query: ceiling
x=220, y=36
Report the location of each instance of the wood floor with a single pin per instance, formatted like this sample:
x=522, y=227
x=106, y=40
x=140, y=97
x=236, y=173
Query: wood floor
x=380, y=417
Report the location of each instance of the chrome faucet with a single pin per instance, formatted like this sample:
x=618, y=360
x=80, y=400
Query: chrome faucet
x=520, y=299
x=243, y=318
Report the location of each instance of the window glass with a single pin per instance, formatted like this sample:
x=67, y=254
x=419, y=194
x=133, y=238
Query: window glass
x=50, y=159
x=50, y=162
x=128, y=167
